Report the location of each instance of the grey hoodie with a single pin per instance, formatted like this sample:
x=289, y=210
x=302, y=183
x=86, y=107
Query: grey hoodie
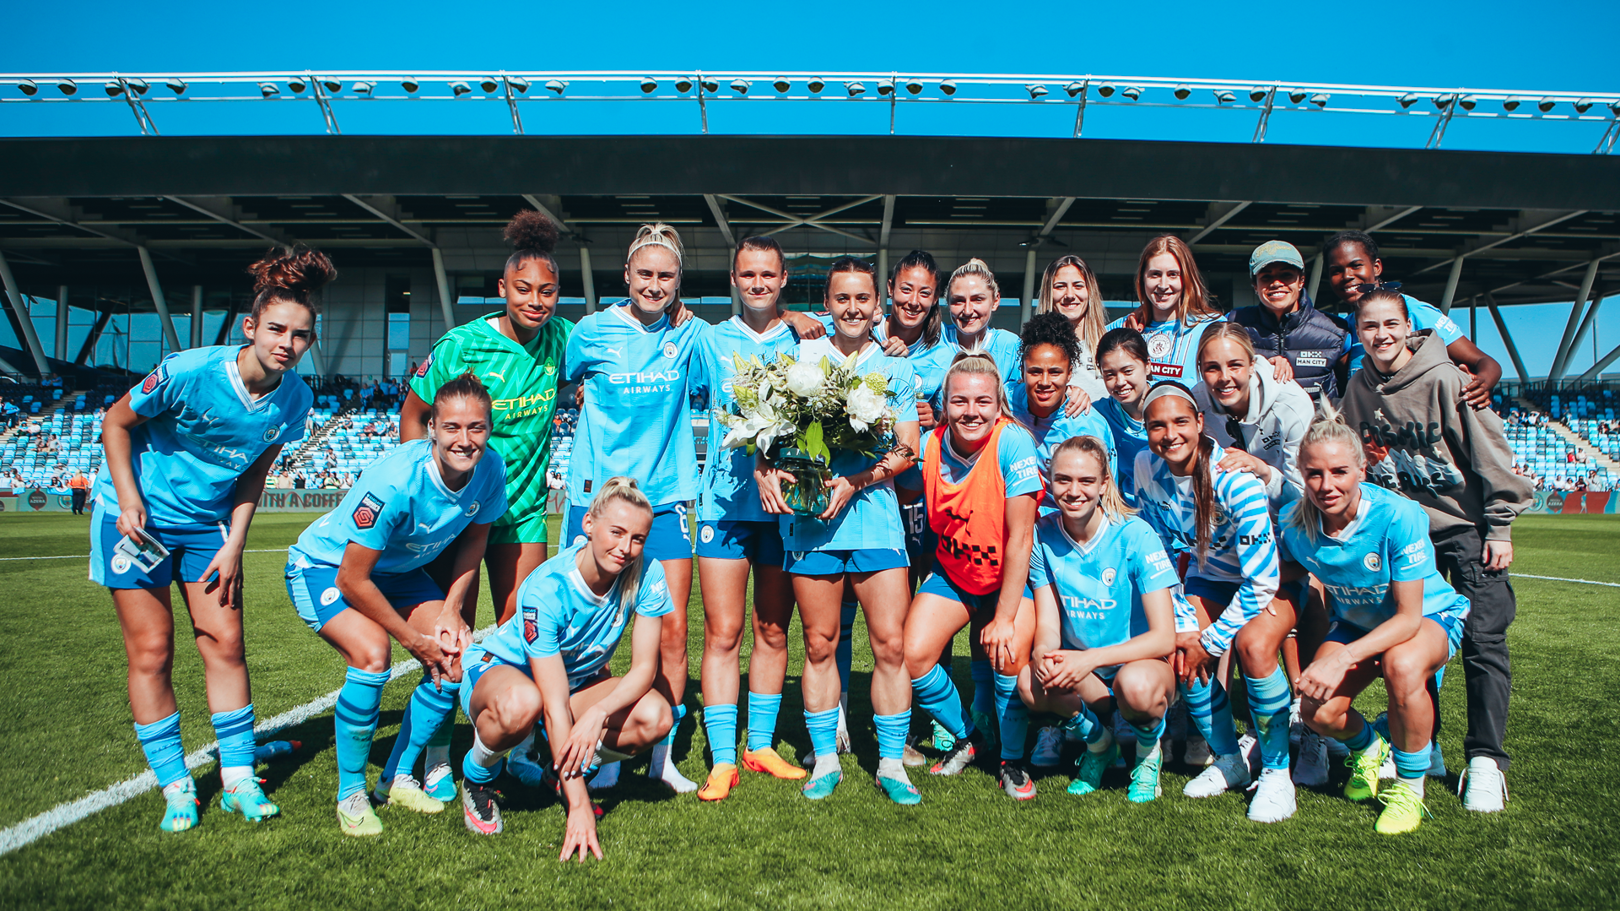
x=1423, y=442
x=1278, y=416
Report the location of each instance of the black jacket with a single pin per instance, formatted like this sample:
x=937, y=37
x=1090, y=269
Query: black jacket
x=1312, y=340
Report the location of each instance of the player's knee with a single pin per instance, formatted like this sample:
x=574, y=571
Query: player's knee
x=1254, y=652
x=769, y=637
x=888, y=649
x=517, y=709
x=372, y=658
x=651, y=719
x=150, y=655
x=1321, y=717
x=1138, y=697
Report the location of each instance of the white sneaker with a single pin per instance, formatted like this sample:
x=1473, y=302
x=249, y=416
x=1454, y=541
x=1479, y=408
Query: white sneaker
x=1437, y=763
x=606, y=777
x=661, y=769
x=1483, y=786
x=1296, y=724
x=1197, y=753
x=1224, y=774
x=1249, y=748
x=1311, y=770
x=842, y=741
x=1048, y=748
x=1273, y=797
x=1387, y=771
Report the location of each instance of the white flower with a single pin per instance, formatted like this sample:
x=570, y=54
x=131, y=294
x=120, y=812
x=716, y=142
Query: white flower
x=865, y=408
x=805, y=379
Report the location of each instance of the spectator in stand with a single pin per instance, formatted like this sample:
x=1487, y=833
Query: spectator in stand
x=298, y=481
x=53, y=443
x=9, y=413
x=284, y=481
x=1580, y=483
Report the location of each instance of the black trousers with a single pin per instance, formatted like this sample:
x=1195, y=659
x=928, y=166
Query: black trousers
x=78, y=500
x=1487, y=673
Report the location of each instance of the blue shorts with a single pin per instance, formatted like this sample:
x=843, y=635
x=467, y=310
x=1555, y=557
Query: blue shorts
x=191, y=548
x=938, y=583
x=1451, y=622
x=838, y=562
x=759, y=543
x=474, y=667
x=315, y=593
x=1222, y=593
x=669, y=539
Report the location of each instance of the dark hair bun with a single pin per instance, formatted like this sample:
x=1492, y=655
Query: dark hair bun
x=299, y=271
x=529, y=231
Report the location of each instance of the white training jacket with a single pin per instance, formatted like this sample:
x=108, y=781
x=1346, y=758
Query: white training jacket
x=1279, y=414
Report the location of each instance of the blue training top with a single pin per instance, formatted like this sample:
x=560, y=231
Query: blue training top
x=1173, y=347
x=1099, y=585
x=729, y=490
x=1059, y=426
x=637, y=418
x=203, y=431
x=1130, y=438
x=1388, y=541
x=401, y=507
x=558, y=614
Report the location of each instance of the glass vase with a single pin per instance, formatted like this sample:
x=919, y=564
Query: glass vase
x=808, y=494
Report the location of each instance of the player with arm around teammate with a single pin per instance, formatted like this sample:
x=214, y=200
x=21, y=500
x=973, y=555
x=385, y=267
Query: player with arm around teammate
x=357, y=577
x=1104, y=618
x=549, y=662
x=1393, y=616
x=187, y=453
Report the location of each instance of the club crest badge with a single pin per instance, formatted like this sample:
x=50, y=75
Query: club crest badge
x=1372, y=562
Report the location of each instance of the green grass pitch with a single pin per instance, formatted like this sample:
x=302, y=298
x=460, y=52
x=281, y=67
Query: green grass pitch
x=65, y=732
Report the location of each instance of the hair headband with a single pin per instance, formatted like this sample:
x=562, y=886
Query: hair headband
x=1167, y=389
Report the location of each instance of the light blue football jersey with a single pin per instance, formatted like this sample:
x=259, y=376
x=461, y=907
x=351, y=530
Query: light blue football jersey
x=1059, y=426
x=401, y=507
x=1388, y=541
x=1130, y=438
x=1000, y=344
x=1173, y=348
x=872, y=518
x=1099, y=585
x=730, y=493
x=1242, y=545
x=202, y=432
x=637, y=419
x=558, y=614
x=1422, y=315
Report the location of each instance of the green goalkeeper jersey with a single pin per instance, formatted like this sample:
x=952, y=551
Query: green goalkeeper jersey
x=522, y=380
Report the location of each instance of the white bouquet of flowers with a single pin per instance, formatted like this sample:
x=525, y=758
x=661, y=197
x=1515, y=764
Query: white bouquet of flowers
x=798, y=412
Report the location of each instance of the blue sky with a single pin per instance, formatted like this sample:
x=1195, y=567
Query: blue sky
x=1551, y=46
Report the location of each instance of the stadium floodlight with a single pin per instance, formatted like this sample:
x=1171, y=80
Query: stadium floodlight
x=1582, y=105
x=519, y=83
x=781, y=84
x=410, y=84
x=268, y=89
x=1296, y=95
x=362, y=87
x=1182, y=91
x=710, y=85
x=1320, y=99
x=114, y=88
x=948, y=86
x=1406, y=101
x=1258, y=93
x=28, y=87
x=67, y=86
x=1223, y=96
x=1468, y=102
x=1545, y=104
x=1035, y=90
x=556, y=85
x=1074, y=88
x=296, y=83
x=1511, y=103
x=740, y=86
x=176, y=85
x=682, y=85
x=648, y=85
x=332, y=85
x=460, y=88
x=1106, y=90
x=885, y=87
x=1132, y=92
x=488, y=83
x=1614, y=107
x=1440, y=101
x=138, y=84
x=914, y=86
x=854, y=88
x=815, y=85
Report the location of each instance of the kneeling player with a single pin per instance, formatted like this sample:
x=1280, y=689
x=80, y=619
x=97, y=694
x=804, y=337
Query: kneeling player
x=550, y=660
x=1104, y=618
x=1393, y=616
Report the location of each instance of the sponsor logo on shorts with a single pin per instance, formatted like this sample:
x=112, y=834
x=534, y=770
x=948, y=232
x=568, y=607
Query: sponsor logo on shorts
x=329, y=596
x=1108, y=576
x=1372, y=562
x=120, y=564
x=707, y=534
x=365, y=515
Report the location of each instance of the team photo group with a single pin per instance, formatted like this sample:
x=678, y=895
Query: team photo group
x=1185, y=526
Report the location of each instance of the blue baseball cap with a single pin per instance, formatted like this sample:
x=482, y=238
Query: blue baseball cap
x=1275, y=251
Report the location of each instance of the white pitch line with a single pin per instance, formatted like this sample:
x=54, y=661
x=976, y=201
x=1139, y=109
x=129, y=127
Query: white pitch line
x=1557, y=579
x=271, y=550
x=63, y=815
